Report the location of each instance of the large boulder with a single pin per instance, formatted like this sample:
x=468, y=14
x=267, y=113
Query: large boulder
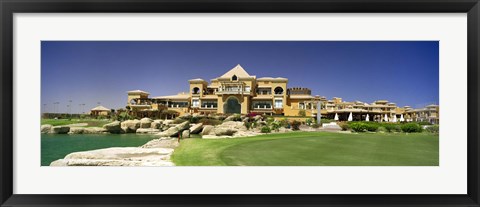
x=167, y=122
x=130, y=126
x=186, y=133
x=114, y=127
x=198, y=116
x=59, y=130
x=185, y=116
x=165, y=127
x=332, y=126
x=145, y=123
x=173, y=131
x=227, y=128
x=118, y=156
x=87, y=130
x=157, y=124
x=95, y=130
x=197, y=128
x=257, y=117
x=233, y=124
x=224, y=131
x=76, y=130
x=207, y=129
x=44, y=129
x=164, y=142
x=147, y=131
x=233, y=117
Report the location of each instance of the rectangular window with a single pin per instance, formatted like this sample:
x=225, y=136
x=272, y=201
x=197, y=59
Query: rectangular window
x=262, y=105
x=301, y=105
x=195, y=103
x=278, y=104
x=209, y=104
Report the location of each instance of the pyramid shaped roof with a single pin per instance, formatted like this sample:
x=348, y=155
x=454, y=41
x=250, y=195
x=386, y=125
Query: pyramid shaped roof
x=238, y=71
x=100, y=108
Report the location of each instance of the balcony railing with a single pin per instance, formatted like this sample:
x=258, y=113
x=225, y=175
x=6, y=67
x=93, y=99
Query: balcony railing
x=262, y=107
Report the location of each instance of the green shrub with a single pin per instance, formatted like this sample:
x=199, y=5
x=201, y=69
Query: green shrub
x=275, y=125
x=411, y=128
x=194, y=119
x=392, y=127
x=326, y=121
x=424, y=123
x=266, y=129
x=344, y=126
x=433, y=129
x=237, y=117
x=309, y=121
x=315, y=125
x=284, y=123
x=302, y=113
x=295, y=125
x=371, y=126
x=254, y=125
x=270, y=120
x=358, y=126
x=247, y=124
x=178, y=120
x=381, y=129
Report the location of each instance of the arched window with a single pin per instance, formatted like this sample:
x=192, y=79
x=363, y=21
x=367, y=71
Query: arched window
x=196, y=90
x=234, y=78
x=278, y=90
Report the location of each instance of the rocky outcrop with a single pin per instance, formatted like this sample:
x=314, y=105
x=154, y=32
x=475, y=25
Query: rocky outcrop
x=198, y=116
x=173, y=131
x=197, y=128
x=77, y=130
x=224, y=131
x=87, y=130
x=207, y=129
x=233, y=117
x=164, y=142
x=332, y=126
x=59, y=130
x=148, y=131
x=185, y=116
x=157, y=124
x=145, y=123
x=167, y=122
x=45, y=129
x=130, y=126
x=114, y=127
x=118, y=156
x=186, y=133
x=228, y=129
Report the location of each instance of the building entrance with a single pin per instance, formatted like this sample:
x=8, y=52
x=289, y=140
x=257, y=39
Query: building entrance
x=232, y=106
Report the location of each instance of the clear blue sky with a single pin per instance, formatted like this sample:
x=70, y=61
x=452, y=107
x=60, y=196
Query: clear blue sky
x=402, y=72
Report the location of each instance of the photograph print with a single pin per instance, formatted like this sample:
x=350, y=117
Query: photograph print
x=240, y=103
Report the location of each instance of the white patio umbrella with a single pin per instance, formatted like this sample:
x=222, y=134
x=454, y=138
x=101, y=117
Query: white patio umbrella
x=385, y=118
x=350, y=117
x=336, y=117
x=394, y=118
x=401, y=118
x=367, y=118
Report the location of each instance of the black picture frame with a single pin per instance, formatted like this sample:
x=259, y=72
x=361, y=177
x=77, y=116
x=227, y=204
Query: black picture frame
x=10, y=7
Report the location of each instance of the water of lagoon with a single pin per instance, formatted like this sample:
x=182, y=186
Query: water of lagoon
x=57, y=146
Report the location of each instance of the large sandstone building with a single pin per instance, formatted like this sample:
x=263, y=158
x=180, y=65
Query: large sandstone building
x=237, y=91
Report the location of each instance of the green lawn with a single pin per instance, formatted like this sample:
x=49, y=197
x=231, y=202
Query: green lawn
x=90, y=122
x=312, y=149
